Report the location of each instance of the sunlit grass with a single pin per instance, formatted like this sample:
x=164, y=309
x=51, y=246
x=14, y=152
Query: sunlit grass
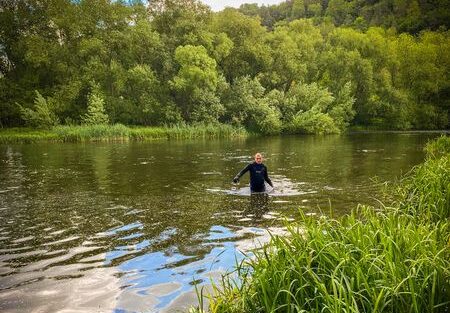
x=396, y=259
x=118, y=132
x=367, y=262
x=25, y=135
x=438, y=147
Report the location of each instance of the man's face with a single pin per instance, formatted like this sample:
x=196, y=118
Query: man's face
x=258, y=158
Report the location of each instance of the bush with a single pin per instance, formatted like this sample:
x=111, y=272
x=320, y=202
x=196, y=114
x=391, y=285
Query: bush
x=248, y=105
x=311, y=122
x=42, y=116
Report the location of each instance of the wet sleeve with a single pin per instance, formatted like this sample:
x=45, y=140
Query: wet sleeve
x=244, y=170
x=266, y=177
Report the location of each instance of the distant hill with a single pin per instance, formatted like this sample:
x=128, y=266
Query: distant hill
x=404, y=15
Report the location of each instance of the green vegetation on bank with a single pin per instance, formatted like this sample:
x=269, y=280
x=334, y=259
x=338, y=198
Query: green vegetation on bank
x=324, y=66
x=118, y=132
x=396, y=259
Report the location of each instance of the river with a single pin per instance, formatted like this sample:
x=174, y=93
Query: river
x=132, y=227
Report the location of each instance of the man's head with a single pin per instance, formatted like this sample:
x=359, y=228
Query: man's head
x=258, y=158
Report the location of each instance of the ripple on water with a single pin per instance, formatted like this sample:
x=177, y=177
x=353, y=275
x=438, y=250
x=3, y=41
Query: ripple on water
x=145, y=253
x=115, y=230
x=283, y=187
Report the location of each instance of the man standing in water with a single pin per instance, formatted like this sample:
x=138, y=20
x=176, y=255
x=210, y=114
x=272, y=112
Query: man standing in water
x=258, y=174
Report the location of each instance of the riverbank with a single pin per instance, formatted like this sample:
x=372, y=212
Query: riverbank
x=392, y=260
x=118, y=132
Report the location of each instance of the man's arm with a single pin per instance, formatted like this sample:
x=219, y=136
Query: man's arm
x=244, y=170
x=266, y=177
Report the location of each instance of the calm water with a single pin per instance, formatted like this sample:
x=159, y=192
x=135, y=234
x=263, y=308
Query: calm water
x=132, y=227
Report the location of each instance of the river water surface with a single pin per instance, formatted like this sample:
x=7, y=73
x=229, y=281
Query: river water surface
x=132, y=227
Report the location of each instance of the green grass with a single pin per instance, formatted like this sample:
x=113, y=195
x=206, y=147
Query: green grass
x=118, y=132
x=396, y=259
x=438, y=147
x=25, y=135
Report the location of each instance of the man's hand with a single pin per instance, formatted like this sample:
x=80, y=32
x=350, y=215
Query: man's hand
x=236, y=180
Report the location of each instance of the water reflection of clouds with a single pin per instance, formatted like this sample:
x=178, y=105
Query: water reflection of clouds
x=97, y=291
x=168, y=277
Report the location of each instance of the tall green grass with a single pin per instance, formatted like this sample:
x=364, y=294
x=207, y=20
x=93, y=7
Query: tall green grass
x=25, y=135
x=118, y=132
x=188, y=132
x=83, y=133
x=396, y=259
x=438, y=147
x=426, y=193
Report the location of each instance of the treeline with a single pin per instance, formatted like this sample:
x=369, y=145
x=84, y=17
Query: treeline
x=404, y=15
x=172, y=62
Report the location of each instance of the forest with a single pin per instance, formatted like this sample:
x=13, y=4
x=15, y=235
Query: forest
x=303, y=66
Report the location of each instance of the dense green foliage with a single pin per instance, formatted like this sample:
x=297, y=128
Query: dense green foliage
x=95, y=111
x=405, y=15
x=42, y=114
x=388, y=260
x=175, y=62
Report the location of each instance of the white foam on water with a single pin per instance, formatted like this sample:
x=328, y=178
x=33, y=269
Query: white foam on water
x=283, y=186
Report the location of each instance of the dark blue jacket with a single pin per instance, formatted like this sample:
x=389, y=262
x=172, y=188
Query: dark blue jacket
x=258, y=174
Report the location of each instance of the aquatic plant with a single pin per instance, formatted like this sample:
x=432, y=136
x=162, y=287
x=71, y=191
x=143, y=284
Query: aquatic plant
x=119, y=132
x=25, y=135
x=99, y=132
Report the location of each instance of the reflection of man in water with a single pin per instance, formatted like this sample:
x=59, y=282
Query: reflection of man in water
x=258, y=174
x=259, y=205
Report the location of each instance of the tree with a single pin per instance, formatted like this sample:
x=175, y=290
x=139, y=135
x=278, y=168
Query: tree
x=196, y=83
x=249, y=55
x=248, y=105
x=95, y=111
x=42, y=115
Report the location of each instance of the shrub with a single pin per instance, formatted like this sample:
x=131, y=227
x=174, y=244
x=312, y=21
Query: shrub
x=96, y=111
x=311, y=122
x=42, y=115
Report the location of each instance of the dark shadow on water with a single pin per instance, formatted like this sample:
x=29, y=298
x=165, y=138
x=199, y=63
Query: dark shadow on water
x=258, y=205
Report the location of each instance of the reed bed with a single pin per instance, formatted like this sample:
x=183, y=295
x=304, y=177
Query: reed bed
x=20, y=135
x=84, y=133
x=396, y=259
x=426, y=192
x=118, y=132
x=183, y=131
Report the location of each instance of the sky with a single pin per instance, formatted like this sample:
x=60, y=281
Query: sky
x=217, y=5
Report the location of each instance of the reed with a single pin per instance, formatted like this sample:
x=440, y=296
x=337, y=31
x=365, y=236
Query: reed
x=183, y=131
x=25, y=135
x=438, y=147
x=84, y=133
x=396, y=259
x=118, y=132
